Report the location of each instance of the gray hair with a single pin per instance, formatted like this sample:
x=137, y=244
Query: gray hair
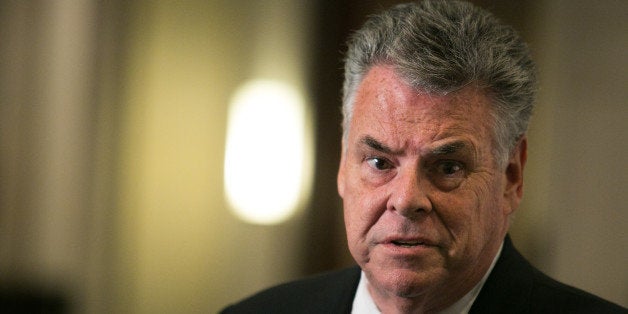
x=442, y=46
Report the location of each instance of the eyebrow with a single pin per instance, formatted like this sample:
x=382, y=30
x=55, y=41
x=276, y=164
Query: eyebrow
x=448, y=148
x=441, y=150
x=455, y=147
x=376, y=145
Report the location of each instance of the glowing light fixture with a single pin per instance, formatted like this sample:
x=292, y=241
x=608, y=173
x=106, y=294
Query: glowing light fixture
x=268, y=152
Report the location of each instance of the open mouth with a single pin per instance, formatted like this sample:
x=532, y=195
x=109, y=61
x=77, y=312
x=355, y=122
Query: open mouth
x=407, y=243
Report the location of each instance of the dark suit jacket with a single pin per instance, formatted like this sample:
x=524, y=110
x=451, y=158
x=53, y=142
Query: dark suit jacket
x=514, y=286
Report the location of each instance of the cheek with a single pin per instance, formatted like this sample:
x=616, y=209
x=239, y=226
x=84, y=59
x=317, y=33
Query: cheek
x=467, y=212
x=484, y=225
x=358, y=213
x=353, y=213
x=356, y=230
x=362, y=209
x=363, y=204
x=455, y=212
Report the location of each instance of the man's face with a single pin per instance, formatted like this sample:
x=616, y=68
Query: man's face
x=426, y=206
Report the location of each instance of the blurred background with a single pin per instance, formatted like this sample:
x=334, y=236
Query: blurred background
x=119, y=121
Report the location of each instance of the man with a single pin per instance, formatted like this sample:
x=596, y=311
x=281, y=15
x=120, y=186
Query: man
x=437, y=98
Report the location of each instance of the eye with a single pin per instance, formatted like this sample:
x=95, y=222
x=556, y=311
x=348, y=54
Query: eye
x=378, y=163
x=450, y=168
x=448, y=174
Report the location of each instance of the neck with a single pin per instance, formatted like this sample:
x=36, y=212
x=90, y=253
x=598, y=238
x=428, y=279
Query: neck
x=390, y=303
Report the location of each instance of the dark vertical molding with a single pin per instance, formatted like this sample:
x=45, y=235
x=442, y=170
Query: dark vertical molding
x=324, y=238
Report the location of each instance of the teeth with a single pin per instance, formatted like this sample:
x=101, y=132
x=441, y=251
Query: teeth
x=406, y=244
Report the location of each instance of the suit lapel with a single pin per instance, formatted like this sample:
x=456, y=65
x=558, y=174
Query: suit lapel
x=508, y=286
x=342, y=291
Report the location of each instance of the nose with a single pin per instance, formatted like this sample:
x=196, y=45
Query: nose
x=407, y=195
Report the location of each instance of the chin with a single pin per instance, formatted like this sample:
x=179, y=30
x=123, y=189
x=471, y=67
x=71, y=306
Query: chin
x=404, y=283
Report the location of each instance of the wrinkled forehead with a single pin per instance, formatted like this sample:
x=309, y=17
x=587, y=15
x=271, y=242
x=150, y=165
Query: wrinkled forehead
x=386, y=104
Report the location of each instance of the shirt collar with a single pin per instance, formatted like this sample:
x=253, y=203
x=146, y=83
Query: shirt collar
x=363, y=302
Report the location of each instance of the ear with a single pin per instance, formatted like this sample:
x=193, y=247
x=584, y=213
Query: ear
x=341, y=173
x=513, y=191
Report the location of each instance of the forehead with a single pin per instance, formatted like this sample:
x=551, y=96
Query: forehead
x=388, y=107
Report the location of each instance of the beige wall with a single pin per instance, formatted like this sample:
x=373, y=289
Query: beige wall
x=578, y=215
x=46, y=148
x=181, y=250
